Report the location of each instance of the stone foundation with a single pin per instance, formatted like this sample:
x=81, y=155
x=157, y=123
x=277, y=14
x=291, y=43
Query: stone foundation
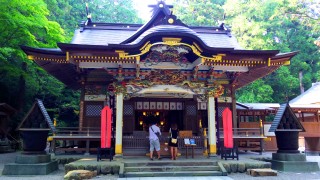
x=288, y=162
x=31, y=165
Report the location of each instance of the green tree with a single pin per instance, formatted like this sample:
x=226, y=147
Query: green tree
x=69, y=13
x=24, y=23
x=199, y=12
x=273, y=25
x=257, y=91
x=35, y=23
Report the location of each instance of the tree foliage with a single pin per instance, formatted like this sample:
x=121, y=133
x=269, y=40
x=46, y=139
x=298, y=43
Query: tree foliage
x=70, y=13
x=44, y=23
x=274, y=24
x=199, y=12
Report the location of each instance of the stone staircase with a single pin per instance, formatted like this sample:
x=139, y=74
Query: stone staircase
x=169, y=168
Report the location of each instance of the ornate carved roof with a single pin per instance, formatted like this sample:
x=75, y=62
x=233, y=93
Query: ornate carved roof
x=108, y=45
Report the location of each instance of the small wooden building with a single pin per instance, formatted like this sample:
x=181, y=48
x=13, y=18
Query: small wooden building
x=307, y=109
x=164, y=68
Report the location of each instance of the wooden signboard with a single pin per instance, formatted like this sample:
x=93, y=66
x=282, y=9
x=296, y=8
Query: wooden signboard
x=185, y=134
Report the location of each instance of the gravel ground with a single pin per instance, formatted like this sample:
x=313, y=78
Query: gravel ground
x=58, y=175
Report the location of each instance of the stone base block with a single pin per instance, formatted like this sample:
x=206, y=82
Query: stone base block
x=288, y=157
x=30, y=169
x=33, y=159
x=292, y=163
x=294, y=166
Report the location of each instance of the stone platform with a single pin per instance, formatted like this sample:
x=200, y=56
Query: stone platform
x=31, y=165
x=292, y=162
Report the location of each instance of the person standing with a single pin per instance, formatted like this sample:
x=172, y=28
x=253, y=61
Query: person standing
x=154, y=140
x=173, y=143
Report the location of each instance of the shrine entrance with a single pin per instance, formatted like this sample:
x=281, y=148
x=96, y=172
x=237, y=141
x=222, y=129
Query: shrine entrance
x=164, y=119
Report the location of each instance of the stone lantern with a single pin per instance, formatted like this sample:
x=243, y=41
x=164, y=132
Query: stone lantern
x=34, y=130
x=286, y=126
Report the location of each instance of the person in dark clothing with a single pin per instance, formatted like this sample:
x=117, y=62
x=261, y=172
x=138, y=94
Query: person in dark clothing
x=173, y=142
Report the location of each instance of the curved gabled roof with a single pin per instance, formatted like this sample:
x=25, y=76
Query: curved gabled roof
x=220, y=40
x=161, y=10
x=171, y=29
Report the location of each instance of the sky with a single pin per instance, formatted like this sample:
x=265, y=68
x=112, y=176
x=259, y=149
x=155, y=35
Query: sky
x=143, y=9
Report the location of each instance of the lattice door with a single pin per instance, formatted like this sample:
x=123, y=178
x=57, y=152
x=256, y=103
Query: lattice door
x=190, y=120
x=92, y=112
x=128, y=116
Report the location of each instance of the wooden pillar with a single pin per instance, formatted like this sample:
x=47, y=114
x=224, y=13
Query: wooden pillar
x=81, y=113
x=119, y=122
x=234, y=108
x=212, y=126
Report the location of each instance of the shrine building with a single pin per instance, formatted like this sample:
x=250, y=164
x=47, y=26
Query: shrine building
x=162, y=69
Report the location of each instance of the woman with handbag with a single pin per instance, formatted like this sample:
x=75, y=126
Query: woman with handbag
x=173, y=142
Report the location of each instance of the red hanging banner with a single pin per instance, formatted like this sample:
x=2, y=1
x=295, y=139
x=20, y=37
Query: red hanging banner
x=227, y=128
x=106, y=127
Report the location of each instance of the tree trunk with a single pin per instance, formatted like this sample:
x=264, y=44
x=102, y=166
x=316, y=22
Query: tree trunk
x=22, y=88
x=300, y=80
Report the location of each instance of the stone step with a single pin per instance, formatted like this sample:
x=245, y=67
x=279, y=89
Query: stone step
x=170, y=163
x=173, y=174
x=171, y=168
x=30, y=169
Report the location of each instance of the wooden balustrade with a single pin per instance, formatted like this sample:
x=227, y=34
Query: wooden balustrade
x=136, y=142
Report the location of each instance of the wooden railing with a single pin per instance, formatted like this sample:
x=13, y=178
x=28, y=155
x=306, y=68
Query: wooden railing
x=136, y=142
x=75, y=131
x=244, y=132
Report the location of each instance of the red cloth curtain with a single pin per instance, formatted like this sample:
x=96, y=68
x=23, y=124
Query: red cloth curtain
x=227, y=128
x=106, y=127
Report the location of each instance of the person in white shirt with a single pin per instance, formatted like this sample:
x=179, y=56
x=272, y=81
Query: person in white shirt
x=154, y=140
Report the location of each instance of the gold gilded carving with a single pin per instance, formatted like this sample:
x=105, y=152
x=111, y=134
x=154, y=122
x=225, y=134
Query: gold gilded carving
x=192, y=85
x=196, y=45
x=67, y=56
x=122, y=54
x=145, y=48
x=215, y=91
x=286, y=63
x=171, y=41
x=30, y=57
x=170, y=21
x=222, y=82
